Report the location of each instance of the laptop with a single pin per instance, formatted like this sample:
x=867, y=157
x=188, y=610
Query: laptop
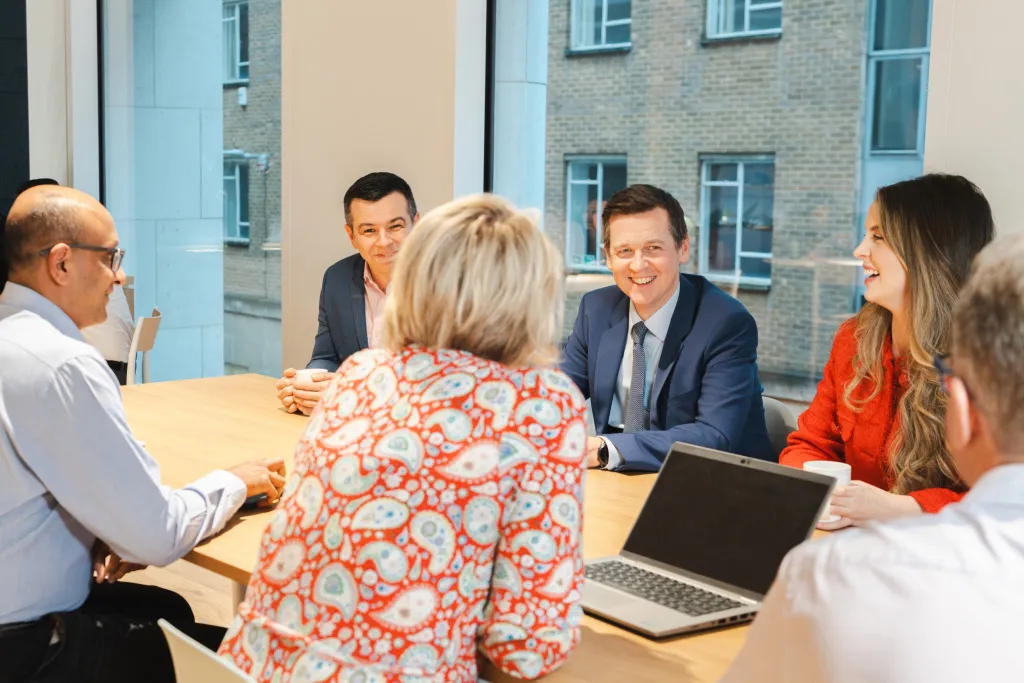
x=707, y=544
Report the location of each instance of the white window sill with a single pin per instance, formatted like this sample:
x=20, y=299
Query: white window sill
x=237, y=241
x=751, y=36
x=751, y=284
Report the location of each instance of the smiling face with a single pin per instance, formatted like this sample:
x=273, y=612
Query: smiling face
x=886, y=276
x=644, y=259
x=379, y=228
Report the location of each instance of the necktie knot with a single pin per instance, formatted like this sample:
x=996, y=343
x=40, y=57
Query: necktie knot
x=639, y=332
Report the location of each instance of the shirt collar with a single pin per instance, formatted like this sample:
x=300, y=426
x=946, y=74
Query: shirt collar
x=1001, y=484
x=370, y=282
x=658, y=323
x=23, y=298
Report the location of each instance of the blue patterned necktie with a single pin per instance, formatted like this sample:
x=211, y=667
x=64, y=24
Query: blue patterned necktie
x=634, y=421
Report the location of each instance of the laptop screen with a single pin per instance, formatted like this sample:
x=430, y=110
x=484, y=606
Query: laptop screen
x=730, y=522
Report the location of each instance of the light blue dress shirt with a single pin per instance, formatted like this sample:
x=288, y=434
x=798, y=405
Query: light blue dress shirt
x=71, y=471
x=654, y=342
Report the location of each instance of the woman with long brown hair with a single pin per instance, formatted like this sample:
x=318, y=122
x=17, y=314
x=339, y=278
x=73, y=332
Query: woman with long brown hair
x=879, y=406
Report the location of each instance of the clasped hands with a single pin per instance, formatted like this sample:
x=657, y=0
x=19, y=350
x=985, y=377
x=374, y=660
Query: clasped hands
x=301, y=393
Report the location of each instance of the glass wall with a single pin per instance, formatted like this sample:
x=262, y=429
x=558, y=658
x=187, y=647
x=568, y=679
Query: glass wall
x=772, y=122
x=192, y=147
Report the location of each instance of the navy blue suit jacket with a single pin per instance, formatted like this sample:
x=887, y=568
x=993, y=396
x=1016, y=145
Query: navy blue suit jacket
x=706, y=390
x=342, y=329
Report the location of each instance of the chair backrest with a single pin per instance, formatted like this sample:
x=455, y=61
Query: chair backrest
x=780, y=421
x=143, y=341
x=129, y=293
x=193, y=663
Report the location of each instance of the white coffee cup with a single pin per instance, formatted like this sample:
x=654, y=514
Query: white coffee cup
x=306, y=375
x=839, y=471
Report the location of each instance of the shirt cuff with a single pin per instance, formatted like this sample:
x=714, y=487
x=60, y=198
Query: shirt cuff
x=223, y=494
x=614, y=457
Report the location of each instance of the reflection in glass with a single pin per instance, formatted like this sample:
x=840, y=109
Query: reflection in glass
x=901, y=24
x=897, y=104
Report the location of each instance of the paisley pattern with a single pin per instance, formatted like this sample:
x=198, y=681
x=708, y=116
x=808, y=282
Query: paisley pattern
x=434, y=495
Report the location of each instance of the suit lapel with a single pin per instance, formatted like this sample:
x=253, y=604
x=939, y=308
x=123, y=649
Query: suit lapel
x=358, y=302
x=682, y=322
x=609, y=358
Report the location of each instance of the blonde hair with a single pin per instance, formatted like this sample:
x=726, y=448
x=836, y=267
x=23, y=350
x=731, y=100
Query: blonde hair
x=479, y=276
x=988, y=340
x=935, y=225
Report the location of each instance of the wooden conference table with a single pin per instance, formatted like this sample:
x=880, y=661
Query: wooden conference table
x=194, y=426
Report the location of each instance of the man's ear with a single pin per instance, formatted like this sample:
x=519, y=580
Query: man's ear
x=56, y=263
x=416, y=218
x=684, y=250
x=961, y=413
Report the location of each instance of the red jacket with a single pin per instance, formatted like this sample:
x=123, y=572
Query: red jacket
x=830, y=430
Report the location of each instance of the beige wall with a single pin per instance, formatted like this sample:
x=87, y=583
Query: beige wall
x=368, y=86
x=976, y=100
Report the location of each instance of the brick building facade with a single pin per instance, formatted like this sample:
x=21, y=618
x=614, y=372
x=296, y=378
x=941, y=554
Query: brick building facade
x=252, y=270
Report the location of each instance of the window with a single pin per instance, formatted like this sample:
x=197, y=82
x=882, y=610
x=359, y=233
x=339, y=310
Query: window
x=236, y=199
x=897, y=74
x=737, y=208
x=236, y=41
x=729, y=18
x=600, y=23
x=590, y=182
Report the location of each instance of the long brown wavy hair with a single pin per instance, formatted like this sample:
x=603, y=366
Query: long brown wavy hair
x=935, y=225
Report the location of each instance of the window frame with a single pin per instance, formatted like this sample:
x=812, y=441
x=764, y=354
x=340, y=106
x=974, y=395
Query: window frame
x=875, y=56
x=575, y=43
x=237, y=159
x=715, y=10
x=232, y=77
x=601, y=160
x=704, y=235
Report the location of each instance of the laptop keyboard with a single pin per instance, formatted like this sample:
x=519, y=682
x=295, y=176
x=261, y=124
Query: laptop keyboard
x=659, y=589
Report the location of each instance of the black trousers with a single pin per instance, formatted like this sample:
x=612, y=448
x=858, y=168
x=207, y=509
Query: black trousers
x=120, y=369
x=113, y=636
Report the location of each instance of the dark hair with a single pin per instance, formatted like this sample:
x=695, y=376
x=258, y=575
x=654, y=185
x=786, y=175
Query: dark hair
x=46, y=224
x=28, y=184
x=641, y=199
x=375, y=187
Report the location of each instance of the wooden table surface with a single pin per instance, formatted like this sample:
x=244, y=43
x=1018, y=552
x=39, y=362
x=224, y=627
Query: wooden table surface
x=194, y=426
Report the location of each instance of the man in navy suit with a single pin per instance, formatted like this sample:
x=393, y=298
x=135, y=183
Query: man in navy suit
x=379, y=212
x=663, y=357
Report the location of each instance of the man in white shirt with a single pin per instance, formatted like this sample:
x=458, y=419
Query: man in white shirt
x=931, y=598
x=113, y=337
x=73, y=480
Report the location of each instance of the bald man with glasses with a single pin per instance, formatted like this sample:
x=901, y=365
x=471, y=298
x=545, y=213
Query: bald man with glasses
x=81, y=501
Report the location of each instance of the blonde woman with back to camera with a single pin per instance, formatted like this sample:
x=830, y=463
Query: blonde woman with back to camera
x=435, y=507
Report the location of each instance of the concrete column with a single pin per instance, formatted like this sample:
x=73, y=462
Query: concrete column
x=520, y=100
x=164, y=172
x=367, y=86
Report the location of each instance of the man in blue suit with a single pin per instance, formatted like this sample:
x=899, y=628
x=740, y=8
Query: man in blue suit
x=379, y=212
x=689, y=347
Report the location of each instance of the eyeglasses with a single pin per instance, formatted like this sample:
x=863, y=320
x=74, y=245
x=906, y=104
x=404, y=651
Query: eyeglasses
x=945, y=371
x=116, y=255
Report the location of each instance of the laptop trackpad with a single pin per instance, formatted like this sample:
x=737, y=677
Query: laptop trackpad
x=631, y=610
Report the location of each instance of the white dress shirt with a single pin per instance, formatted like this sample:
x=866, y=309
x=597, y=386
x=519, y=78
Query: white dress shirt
x=70, y=470
x=926, y=599
x=113, y=337
x=657, y=329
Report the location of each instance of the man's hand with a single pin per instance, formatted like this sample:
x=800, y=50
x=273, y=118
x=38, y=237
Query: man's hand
x=261, y=476
x=285, y=392
x=107, y=566
x=860, y=503
x=308, y=390
x=593, y=446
